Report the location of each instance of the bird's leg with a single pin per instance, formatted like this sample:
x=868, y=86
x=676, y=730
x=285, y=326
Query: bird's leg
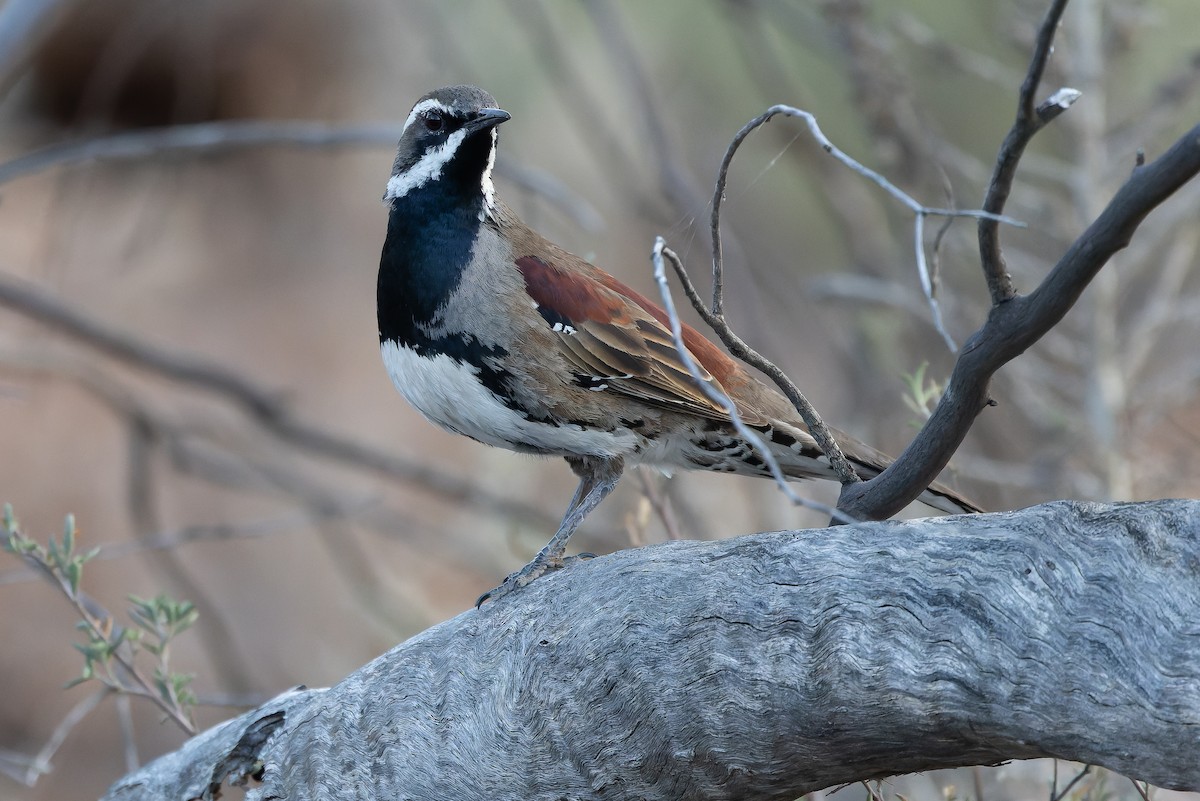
x=597, y=478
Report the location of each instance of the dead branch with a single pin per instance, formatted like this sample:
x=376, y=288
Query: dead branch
x=1017, y=324
x=1029, y=121
x=782, y=664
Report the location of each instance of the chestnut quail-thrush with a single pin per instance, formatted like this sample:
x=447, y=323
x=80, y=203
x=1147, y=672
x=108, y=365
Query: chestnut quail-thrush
x=496, y=333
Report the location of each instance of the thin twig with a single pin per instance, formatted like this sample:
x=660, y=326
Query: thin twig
x=1167, y=303
x=227, y=656
x=176, y=538
x=660, y=502
x=102, y=624
x=717, y=396
x=204, y=137
x=918, y=209
x=926, y=275
x=740, y=349
x=1029, y=121
x=40, y=763
x=865, y=290
x=1061, y=794
x=128, y=735
x=936, y=251
x=1144, y=792
x=1016, y=322
x=1013, y=327
x=977, y=782
x=39, y=305
x=198, y=448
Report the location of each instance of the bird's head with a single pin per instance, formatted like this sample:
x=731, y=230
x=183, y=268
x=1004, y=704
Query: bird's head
x=449, y=146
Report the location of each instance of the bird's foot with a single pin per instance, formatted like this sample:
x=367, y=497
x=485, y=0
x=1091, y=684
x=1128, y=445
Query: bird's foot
x=540, y=566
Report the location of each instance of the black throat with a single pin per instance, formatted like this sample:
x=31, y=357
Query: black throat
x=431, y=233
x=430, y=238
x=428, y=247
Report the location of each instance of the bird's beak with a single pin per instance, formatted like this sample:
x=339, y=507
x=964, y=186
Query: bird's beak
x=488, y=118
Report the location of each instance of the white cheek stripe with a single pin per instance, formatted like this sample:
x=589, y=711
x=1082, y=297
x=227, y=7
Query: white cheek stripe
x=428, y=168
x=489, y=189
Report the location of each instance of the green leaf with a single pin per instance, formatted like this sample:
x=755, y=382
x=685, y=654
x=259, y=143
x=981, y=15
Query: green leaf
x=181, y=681
x=69, y=535
x=73, y=572
x=19, y=545
x=86, y=675
x=118, y=637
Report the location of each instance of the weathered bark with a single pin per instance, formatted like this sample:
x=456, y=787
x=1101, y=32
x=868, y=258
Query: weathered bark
x=765, y=667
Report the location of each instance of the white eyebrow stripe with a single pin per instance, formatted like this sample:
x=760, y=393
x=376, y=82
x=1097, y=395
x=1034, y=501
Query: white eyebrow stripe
x=428, y=167
x=422, y=107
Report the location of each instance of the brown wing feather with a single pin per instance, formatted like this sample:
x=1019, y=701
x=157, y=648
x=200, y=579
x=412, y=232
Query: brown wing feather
x=609, y=333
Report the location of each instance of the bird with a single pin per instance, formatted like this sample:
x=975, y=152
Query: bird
x=494, y=332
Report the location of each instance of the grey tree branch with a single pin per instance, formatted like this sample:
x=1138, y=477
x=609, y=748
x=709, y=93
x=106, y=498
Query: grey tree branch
x=261, y=406
x=206, y=138
x=782, y=664
x=37, y=304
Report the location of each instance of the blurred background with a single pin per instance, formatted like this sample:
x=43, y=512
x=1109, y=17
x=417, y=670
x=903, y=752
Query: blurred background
x=188, y=352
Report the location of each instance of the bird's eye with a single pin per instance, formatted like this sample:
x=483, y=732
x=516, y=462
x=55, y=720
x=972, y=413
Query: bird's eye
x=433, y=121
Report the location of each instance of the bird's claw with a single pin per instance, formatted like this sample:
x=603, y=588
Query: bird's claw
x=540, y=566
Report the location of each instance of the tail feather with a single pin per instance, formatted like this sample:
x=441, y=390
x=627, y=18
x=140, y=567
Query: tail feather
x=939, y=496
x=802, y=458
x=944, y=499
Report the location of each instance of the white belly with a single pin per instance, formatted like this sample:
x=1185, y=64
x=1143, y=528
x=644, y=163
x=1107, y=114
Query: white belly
x=449, y=393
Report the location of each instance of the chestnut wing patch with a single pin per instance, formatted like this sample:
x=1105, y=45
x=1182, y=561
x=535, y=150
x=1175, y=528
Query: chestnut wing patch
x=613, y=342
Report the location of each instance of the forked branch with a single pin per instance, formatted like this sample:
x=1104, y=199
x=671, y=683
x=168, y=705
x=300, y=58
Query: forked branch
x=715, y=316
x=1014, y=323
